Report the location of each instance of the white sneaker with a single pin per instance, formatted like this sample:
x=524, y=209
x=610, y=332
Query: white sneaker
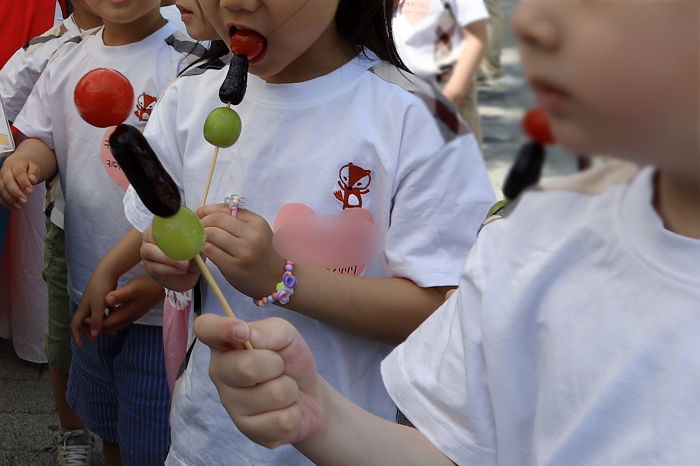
x=75, y=448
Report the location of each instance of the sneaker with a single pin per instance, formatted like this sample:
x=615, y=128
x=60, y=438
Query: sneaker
x=75, y=448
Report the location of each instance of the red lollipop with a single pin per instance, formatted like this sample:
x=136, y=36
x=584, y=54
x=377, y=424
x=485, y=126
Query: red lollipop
x=104, y=97
x=248, y=43
x=536, y=125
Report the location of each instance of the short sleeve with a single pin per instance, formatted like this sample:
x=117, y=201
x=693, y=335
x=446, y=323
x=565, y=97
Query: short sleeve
x=470, y=11
x=438, y=376
x=35, y=118
x=160, y=134
x=442, y=197
x=17, y=78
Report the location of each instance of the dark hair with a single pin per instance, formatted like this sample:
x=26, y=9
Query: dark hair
x=367, y=23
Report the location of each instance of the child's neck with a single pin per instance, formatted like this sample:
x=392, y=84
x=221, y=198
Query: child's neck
x=85, y=19
x=128, y=33
x=677, y=200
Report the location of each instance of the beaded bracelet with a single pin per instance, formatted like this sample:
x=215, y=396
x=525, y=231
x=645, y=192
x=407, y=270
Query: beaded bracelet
x=284, y=289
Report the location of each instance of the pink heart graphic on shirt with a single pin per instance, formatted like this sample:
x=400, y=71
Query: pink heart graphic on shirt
x=113, y=169
x=342, y=242
x=416, y=11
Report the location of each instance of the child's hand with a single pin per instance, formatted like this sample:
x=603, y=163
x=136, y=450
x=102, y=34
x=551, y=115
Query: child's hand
x=17, y=178
x=273, y=392
x=241, y=247
x=172, y=274
x=91, y=310
x=130, y=302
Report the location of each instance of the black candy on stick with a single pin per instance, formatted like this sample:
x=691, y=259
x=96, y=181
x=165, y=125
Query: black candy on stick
x=152, y=183
x=233, y=88
x=526, y=170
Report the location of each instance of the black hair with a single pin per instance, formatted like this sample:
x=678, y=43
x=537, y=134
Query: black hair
x=367, y=23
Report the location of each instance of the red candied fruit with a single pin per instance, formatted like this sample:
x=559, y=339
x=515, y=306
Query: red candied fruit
x=104, y=97
x=536, y=125
x=248, y=43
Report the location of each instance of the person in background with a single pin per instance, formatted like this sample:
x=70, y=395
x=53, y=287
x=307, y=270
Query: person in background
x=443, y=42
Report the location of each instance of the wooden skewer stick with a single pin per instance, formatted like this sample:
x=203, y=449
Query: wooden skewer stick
x=217, y=292
x=198, y=259
x=212, y=164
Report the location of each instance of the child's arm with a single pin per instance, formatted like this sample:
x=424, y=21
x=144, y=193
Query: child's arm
x=381, y=309
x=32, y=163
x=475, y=42
x=275, y=396
x=127, y=304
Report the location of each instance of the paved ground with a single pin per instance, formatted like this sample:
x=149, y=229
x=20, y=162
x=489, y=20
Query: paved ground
x=27, y=421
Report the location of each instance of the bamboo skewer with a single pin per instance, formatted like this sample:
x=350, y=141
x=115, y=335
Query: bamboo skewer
x=198, y=259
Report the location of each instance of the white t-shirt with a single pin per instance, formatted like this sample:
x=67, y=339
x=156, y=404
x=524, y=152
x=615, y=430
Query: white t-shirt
x=418, y=24
x=572, y=340
x=93, y=184
x=20, y=74
x=427, y=195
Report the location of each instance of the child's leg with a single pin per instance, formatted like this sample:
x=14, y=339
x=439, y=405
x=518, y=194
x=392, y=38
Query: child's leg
x=469, y=110
x=91, y=390
x=144, y=398
x=57, y=345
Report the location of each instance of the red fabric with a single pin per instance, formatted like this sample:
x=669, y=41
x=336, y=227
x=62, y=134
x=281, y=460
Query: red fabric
x=23, y=20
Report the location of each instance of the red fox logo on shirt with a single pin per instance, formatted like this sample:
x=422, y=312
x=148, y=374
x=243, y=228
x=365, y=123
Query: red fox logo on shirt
x=354, y=182
x=144, y=106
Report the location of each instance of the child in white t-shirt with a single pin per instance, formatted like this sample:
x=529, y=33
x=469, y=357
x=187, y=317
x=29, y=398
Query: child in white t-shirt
x=17, y=79
x=353, y=163
x=573, y=336
x=117, y=382
x=443, y=41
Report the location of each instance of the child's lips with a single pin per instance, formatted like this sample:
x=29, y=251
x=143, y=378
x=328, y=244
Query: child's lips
x=550, y=97
x=250, y=42
x=185, y=14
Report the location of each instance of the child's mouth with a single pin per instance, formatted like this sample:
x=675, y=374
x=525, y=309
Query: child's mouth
x=185, y=14
x=247, y=42
x=549, y=96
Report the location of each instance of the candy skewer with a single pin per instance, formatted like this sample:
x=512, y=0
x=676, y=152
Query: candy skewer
x=212, y=165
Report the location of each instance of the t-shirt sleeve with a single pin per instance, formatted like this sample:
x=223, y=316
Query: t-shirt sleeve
x=442, y=197
x=35, y=118
x=469, y=11
x=17, y=78
x=160, y=134
x=438, y=376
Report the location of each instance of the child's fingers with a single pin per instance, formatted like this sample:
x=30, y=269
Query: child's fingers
x=226, y=222
x=212, y=209
x=157, y=262
x=12, y=190
x=221, y=333
x=22, y=176
x=272, y=429
x=272, y=395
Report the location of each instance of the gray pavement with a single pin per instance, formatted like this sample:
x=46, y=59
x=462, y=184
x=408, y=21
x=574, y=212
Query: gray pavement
x=27, y=420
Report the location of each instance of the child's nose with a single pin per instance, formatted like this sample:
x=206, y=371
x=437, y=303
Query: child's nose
x=247, y=5
x=534, y=24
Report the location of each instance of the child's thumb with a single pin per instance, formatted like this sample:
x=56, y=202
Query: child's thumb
x=221, y=333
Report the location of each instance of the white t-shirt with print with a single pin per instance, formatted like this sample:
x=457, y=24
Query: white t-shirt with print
x=93, y=184
x=427, y=195
x=417, y=26
x=572, y=340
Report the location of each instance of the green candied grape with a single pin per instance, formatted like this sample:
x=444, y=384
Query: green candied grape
x=222, y=127
x=180, y=237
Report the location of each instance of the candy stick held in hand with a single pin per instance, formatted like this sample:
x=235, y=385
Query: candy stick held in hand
x=177, y=230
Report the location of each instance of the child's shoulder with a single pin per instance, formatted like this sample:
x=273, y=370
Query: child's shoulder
x=184, y=48
x=570, y=202
x=417, y=93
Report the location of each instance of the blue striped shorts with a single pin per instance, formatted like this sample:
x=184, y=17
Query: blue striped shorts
x=118, y=388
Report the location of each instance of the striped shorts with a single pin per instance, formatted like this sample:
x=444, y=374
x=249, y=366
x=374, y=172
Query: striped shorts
x=118, y=388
